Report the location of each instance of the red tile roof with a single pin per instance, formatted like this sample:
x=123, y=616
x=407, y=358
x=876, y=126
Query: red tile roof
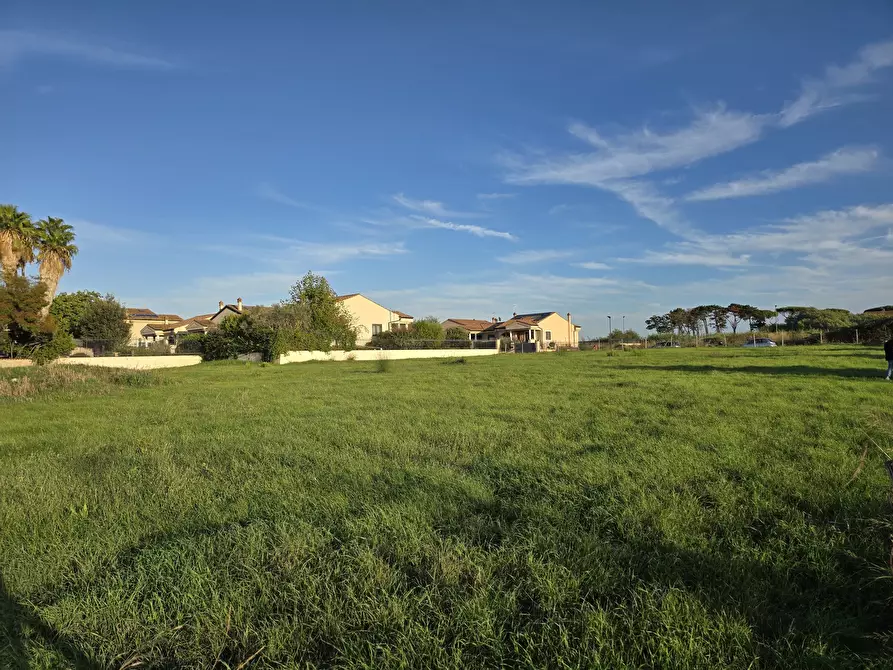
x=472, y=324
x=402, y=315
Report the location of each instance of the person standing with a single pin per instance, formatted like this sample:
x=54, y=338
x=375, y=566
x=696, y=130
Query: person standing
x=888, y=354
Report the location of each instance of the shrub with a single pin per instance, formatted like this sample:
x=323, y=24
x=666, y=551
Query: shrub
x=384, y=364
x=61, y=343
x=218, y=346
x=105, y=320
x=191, y=344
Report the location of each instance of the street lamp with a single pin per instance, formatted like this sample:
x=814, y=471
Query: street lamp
x=609, y=326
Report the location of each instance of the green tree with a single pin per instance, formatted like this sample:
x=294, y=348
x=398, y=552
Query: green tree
x=328, y=321
x=105, y=320
x=24, y=328
x=55, y=249
x=429, y=330
x=17, y=239
x=455, y=333
x=677, y=318
x=719, y=317
x=736, y=314
x=68, y=309
x=659, y=323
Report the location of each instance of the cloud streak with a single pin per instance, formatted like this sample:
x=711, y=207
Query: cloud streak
x=17, y=45
x=478, y=231
x=837, y=87
x=840, y=162
x=534, y=256
x=430, y=207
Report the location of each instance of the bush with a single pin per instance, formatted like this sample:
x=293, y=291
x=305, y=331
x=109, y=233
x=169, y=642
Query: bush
x=61, y=343
x=191, y=344
x=105, y=320
x=219, y=346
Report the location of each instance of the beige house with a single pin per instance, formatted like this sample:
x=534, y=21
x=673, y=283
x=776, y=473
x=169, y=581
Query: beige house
x=473, y=327
x=224, y=310
x=547, y=329
x=161, y=332
x=370, y=318
x=139, y=317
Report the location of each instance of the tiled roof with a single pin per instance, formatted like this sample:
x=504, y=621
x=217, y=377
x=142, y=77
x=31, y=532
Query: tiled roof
x=402, y=315
x=170, y=317
x=141, y=313
x=472, y=324
x=345, y=297
x=536, y=317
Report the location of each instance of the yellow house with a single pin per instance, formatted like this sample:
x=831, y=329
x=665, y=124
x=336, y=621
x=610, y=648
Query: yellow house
x=547, y=329
x=473, y=327
x=161, y=332
x=370, y=318
x=224, y=310
x=139, y=317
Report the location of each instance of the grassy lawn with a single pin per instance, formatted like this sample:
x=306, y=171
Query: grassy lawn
x=675, y=509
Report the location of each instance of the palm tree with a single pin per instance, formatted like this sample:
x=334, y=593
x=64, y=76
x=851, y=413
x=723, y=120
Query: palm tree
x=17, y=237
x=55, y=249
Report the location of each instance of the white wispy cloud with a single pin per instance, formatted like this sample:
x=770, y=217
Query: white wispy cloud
x=619, y=162
x=287, y=253
x=534, y=256
x=704, y=258
x=592, y=265
x=18, y=45
x=826, y=230
x=87, y=232
x=428, y=206
x=711, y=133
x=479, y=231
x=839, y=84
x=269, y=192
x=431, y=207
x=495, y=196
x=850, y=160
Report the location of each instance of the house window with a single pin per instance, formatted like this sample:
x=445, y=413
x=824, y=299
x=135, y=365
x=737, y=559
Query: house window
x=548, y=335
x=376, y=329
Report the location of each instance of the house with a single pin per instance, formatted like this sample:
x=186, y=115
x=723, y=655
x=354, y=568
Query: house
x=547, y=329
x=139, y=317
x=370, y=318
x=225, y=310
x=160, y=332
x=473, y=327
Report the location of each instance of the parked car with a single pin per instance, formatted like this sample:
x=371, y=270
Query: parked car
x=759, y=342
x=666, y=345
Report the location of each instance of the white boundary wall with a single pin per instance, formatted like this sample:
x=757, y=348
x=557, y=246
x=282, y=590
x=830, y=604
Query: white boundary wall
x=374, y=355
x=133, y=362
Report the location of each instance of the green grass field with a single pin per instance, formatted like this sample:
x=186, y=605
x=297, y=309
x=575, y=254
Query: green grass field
x=671, y=509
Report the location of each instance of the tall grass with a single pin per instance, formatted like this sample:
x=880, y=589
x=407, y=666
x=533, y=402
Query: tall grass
x=679, y=509
x=30, y=382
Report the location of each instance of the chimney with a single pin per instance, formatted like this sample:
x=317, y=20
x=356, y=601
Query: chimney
x=495, y=320
x=239, y=304
x=514, y=314
x=220, y=305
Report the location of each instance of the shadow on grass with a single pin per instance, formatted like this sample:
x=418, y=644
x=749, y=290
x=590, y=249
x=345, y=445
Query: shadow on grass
x=18, y=624
x=802, y=370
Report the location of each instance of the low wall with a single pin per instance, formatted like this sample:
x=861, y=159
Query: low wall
x=373, y=355
x=133, y=362
x=14, y=362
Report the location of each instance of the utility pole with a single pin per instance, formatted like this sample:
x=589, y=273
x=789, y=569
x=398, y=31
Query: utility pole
x=623, y=329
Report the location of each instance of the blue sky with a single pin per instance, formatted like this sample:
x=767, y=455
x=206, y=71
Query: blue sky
x=461, y=159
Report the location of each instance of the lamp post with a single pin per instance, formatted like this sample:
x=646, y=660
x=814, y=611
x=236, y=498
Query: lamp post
x=609, y=327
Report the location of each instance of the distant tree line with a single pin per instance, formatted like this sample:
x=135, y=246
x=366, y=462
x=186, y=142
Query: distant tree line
x=704, y=319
